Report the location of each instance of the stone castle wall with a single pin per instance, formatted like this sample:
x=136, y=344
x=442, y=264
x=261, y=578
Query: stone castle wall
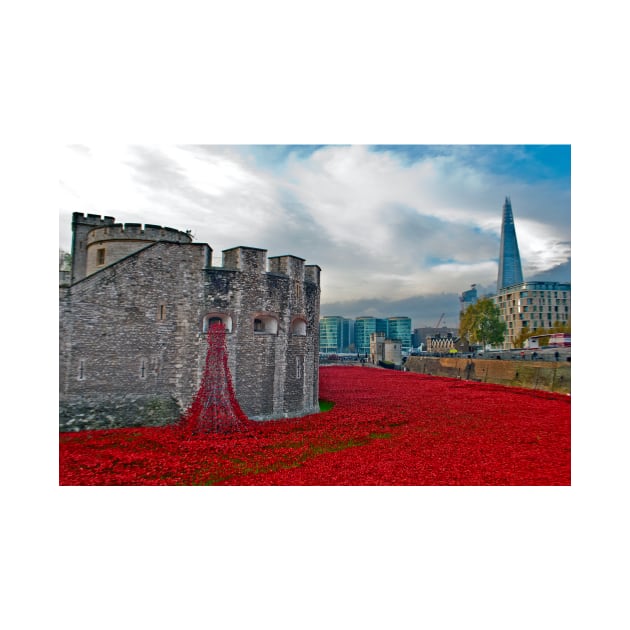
x=545, y=375
x=133, y=346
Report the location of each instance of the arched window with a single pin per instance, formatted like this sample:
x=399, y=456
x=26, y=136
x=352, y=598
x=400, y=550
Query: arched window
x=216, y=318
x=298, y=327
x=266, y=324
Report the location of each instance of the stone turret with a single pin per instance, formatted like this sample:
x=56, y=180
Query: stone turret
x=81, y=225
x=99, y=241
x=106, y=245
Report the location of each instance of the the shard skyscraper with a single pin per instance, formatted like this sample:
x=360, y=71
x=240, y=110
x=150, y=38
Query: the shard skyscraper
x=510, y=271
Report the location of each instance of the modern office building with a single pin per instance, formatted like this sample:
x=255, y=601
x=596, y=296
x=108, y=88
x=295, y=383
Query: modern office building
x=335, y=334
x=338, y=334
x=537, y=306
x=363, y=328
x=510, y=270
x=399, y=328
x=468, y=297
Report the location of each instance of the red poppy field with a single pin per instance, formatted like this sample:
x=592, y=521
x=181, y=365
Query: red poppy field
x=385, y=428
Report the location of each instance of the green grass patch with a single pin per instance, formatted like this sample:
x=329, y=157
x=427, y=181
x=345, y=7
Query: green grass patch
x=326, y=405
x=380, y=436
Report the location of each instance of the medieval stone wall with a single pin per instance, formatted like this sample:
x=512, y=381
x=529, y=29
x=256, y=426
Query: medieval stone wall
x=133, y=346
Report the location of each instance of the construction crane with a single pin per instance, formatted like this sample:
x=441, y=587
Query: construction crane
x=440, y=320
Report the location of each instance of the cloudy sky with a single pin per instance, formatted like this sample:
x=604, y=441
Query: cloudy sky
x=397, y=230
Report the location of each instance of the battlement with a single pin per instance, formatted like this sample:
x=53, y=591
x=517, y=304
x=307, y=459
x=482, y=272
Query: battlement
x=245, y=259
x=312, y=273
x=78, y=218
x=255, y=260
x=136, y=231
x=291, y=266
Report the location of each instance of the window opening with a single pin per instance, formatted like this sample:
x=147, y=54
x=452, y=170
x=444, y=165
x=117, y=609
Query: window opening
x=266, y=324
x=211, y=319
x=298, y=327
x=100, y=256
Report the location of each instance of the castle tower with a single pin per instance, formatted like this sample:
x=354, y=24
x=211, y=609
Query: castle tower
x=81, y=226
x=134, y=320
x=100, y=241
x=510, y=271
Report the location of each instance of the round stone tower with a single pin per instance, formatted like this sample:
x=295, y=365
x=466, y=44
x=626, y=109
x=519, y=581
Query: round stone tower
x=98, y=242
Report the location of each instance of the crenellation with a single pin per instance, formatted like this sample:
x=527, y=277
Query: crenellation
x=245, y=259
x=291, y=266
x=312, y=273
x=116, y=231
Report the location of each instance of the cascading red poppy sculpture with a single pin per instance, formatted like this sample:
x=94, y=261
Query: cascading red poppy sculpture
x=215, y=408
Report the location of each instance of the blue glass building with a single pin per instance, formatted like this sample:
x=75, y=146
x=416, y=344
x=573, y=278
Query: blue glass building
x=363, y=328
x=468, y=297
x=510, y=271
x=399, y=328
x=335, y=334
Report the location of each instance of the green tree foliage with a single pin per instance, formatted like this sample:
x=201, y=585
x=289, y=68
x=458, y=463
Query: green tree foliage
x=481, y=323
x=526, y=333
x=523, y=336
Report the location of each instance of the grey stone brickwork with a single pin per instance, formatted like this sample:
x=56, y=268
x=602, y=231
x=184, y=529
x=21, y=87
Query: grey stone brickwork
x=132, y=331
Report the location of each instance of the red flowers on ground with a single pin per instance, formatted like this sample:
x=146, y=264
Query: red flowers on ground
x=386, y=428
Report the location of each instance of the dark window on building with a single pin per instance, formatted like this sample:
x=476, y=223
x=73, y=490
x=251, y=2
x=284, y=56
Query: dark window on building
x=100, y=256
x=81, y=375
x=162, y=311
x=266, y=324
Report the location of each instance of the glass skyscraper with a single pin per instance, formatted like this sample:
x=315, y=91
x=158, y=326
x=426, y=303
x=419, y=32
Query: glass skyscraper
x=510, y=271
x=363, y=328
x=335, y=334
x=468, y=297
x=399, y=328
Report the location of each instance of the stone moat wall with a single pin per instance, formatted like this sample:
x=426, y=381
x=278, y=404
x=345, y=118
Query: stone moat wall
x=546, y=375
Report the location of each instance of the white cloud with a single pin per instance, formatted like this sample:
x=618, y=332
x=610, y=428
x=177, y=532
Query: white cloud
x=379, y=227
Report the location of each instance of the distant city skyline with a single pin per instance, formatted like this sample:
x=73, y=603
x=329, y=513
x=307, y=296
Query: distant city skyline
x=397, y=229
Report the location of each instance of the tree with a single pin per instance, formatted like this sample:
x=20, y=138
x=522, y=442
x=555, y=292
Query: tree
x=481, y=323
x=526, y=333
x=523, y=336
x=65, y=260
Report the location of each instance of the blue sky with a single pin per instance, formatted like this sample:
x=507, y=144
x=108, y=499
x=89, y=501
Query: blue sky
x=396, y=229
